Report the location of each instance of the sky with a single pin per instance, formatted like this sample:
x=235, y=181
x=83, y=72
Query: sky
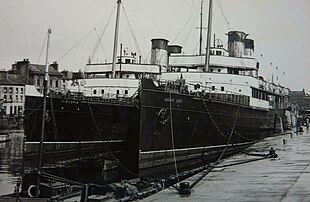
x=280, y=29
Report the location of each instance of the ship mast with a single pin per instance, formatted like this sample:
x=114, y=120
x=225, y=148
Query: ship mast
x=200, y=31
x=116, y=37
x=207, y=60
x=45, y=88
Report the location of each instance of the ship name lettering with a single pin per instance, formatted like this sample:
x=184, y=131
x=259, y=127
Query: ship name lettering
x=173, y=100
x=70, y=102
x=178, y=101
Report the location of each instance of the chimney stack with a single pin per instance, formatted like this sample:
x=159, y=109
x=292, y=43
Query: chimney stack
x=55, y=65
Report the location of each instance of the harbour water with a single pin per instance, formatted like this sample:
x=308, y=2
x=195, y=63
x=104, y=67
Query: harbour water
x=11, y=162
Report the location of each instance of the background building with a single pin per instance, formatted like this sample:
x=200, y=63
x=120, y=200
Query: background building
x=34, y=75
x=12, y=93
x=301, y=99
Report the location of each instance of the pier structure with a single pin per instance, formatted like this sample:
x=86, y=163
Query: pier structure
x=285, y=178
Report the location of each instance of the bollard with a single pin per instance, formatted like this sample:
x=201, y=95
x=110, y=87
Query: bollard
x=84, y=195
x=184, y=188
x=272, y=153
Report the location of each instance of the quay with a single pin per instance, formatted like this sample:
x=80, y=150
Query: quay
x=284, y=179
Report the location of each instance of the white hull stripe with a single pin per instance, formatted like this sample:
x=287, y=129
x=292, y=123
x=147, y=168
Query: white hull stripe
x=194, y=148
x=79, y=142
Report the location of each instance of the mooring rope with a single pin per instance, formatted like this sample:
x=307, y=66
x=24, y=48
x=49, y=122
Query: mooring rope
x=172, y=139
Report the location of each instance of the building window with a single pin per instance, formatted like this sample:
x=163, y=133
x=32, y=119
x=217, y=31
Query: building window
x=213, y=88
x=5, y=90
x=21, y=98
x=20, y=109
x=95, y=91
x=16, y=90
x=4, y=97
x=126, y=92
x=38, y=82
x=11, y=98
x=51, y=83
x=117, y=92
x=222, y=88
x=211, y=70
x=11, y=90
x=56, y=84
x=127, y=61
x=219, y=70
x=21, y=90
x=102, y=91
x=16, y=98
x=218, y=52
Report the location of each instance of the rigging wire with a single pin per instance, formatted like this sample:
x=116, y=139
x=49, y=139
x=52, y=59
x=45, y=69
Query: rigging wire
x=106, y=147
x=56, y=137
x=131, y=31
x=223, y=14
x=100, y=45
x=76, y=44
x=231, y=133
x=101, y=35
x=85, y=36
x=187, y=35
x=190, y=15
x=42, y=48
x=65, y=36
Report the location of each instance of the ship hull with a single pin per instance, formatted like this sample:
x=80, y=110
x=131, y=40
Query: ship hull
x=78, y=129
x=192, y=129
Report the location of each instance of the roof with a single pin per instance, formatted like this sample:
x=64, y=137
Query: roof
x=40, y=69
x=11, y=79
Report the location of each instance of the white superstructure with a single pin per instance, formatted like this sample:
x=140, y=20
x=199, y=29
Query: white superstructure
x=230, y=72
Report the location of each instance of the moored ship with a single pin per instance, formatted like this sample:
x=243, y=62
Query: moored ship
x=183, y=110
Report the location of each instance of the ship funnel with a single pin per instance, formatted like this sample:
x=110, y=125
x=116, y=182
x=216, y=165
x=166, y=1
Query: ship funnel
x=159, y=54
x=249, y=47
x=174, y=49
x=236, y=46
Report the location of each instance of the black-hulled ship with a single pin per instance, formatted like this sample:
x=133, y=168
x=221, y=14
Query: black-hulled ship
x=183, y=109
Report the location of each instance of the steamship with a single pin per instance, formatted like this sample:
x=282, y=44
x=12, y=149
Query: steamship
x=182, y=110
